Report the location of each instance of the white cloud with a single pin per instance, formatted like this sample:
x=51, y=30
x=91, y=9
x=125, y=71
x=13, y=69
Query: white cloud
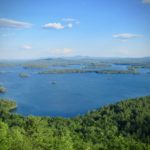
x=146, y=1
x=62, y=52
x=126, y=36
x=9, y=23
x=69, y=25
x=27, y=47
x=68, y=19
x=67, y=51
x=65, y=23
x=57, y=26
x=71, y=20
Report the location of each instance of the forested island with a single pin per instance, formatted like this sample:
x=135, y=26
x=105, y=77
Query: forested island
x=23, y=75
x=77, y=65
x=62, y=71
x=120, y=126
x=2, y=89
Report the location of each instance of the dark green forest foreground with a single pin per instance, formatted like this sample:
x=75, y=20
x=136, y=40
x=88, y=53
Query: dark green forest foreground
x=122, y=126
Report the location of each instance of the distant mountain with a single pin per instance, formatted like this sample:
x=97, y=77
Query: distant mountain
x=107, y=59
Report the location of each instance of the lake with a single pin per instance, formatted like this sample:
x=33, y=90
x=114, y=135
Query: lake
x=71, y=94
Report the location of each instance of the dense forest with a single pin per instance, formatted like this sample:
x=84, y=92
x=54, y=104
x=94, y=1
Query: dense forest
x=120, y=126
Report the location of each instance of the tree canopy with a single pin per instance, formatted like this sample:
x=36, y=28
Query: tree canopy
x=121, y=126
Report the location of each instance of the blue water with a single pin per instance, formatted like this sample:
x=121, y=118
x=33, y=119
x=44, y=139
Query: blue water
x=72, y=94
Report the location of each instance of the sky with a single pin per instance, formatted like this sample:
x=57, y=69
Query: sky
x=31, y=29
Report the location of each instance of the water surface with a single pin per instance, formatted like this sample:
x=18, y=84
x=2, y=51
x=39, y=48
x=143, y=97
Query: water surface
x=72, y=94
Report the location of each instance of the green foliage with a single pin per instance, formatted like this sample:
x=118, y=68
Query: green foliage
x=4, y=138
x=122, y=126
x=7, y=105
x=62, y=71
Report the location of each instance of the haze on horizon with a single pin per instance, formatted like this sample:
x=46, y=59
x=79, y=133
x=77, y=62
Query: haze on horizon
x=32, y=29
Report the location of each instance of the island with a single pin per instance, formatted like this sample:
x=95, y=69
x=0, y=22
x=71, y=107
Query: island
x=2, y=89
x=96, y=65
x=24, y=75
x=63, y=71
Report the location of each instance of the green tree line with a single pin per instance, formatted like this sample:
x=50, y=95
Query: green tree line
x=121, y=126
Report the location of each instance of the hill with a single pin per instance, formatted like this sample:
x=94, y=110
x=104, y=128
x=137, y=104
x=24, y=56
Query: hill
x=121, y=126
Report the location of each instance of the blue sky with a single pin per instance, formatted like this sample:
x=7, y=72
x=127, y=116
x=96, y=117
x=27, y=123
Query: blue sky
x=56, y=28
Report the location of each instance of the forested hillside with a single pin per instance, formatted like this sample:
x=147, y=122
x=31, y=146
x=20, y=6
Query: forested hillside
x=122, y=126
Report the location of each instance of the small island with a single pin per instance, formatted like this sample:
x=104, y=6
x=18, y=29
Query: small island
x=96, y=66
x=24, y=75
x=53, y=82
x=2, y=89
x=34, y=66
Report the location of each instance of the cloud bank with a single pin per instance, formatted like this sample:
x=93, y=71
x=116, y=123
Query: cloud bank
x=127, y=36
x=71, y=20
x=9, y=23
x=64, y=23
